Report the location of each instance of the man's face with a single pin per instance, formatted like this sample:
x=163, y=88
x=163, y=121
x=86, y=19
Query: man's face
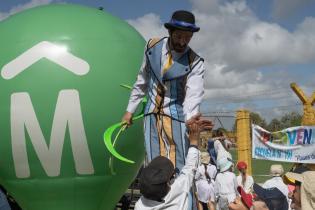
x=296, y=198
x=180, y=40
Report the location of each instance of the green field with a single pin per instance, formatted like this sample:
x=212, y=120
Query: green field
x=261, y=167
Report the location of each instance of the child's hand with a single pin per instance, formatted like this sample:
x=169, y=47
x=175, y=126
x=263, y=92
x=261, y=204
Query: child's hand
x=194, y=129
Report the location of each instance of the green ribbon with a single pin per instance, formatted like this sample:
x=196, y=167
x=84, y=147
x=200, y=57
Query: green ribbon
x=110, y=145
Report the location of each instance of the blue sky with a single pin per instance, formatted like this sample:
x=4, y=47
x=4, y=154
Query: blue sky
x=253, y=49
x=129, y=9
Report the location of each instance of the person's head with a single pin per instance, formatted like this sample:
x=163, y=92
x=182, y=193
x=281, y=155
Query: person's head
x=272, y=197
x=276, y=170
x=241, y=166
x=181, y=28
x=218, y=134
x=304, y=193
x=295, y=196
x=156, y=178
x=204, y=158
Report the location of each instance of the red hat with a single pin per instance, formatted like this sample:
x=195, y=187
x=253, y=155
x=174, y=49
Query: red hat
x=246, y=198
x=241, y=165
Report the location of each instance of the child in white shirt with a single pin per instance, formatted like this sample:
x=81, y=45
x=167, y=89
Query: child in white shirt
x=204, y=177
x=225, y=186
x=243, y=179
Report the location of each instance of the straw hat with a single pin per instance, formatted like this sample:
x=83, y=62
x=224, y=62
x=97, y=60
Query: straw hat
x=276, y=170
x=307, y=188
x=204, y=158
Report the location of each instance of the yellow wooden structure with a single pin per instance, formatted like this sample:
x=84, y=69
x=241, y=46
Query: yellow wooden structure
x=308, y=109
x=244, y=147
x=243, y=126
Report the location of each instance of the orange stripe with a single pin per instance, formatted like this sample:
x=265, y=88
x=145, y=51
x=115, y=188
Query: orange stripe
x=159, y=131
x=167, y=127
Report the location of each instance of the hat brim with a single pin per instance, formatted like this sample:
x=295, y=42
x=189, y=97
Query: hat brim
x=182, y=28
x=242, y=167
x=295, y=176
x=274, y=175
x=288, y=181
x=226, y=167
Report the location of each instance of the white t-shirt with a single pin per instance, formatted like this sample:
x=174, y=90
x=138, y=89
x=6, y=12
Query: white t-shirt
x=221, y=151
x=278, y=183
x=225, y=189
x=205, y=190
x=248, y=185
x=226, y=186
x=200, y=173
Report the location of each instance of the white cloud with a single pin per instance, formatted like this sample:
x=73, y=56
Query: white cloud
x=149, y=26
x=21, y=7
x=206, y=6
x=285, y=8
x=236, y=45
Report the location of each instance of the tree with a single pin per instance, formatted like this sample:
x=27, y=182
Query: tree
x=258, y=120
x=286, y=121
x=291, y=119
x=274, y=125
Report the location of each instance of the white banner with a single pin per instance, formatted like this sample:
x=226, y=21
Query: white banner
x=296, y=144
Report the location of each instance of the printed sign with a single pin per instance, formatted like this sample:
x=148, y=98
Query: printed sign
x=295, y=144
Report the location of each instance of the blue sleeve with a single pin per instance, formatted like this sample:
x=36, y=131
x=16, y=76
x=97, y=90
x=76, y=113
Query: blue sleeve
x=212, y=152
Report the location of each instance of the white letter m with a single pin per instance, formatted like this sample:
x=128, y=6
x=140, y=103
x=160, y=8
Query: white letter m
x=67, y=113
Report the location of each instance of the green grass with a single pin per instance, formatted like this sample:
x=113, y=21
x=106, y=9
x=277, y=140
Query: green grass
x=261, y=167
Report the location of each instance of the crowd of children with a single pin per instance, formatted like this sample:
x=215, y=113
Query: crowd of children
x=218, y=187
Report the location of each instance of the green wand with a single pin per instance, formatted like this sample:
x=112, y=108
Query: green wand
x=110, y=145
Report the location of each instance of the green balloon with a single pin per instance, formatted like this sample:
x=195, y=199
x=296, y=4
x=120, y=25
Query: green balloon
x=61, y=70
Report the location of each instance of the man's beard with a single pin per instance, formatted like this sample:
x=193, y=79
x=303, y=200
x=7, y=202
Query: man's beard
x=177, y=47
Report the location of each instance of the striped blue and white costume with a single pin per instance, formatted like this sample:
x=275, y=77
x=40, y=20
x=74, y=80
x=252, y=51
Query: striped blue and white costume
x=174, y=96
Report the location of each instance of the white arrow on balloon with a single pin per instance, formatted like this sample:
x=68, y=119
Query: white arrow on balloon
x=55, y=53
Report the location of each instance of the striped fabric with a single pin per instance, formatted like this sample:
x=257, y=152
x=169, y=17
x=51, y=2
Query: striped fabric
x=167, y=137
x=167, y=92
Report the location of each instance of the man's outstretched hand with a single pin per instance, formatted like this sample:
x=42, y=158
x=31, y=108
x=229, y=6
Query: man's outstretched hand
x=193, y=119
x=127, y=118
x=202, y=123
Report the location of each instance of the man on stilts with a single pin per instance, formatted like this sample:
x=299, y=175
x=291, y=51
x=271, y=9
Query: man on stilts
x=172, y=79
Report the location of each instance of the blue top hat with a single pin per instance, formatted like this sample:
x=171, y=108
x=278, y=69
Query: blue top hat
x=182, y=20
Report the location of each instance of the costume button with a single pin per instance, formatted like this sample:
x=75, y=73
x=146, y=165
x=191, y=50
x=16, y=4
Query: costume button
x=150, y=53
